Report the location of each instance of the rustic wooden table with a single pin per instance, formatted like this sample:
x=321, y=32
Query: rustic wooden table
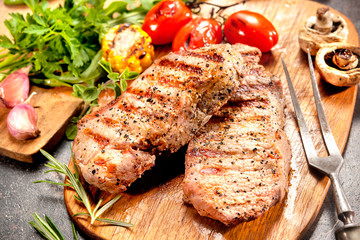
x=19, y=197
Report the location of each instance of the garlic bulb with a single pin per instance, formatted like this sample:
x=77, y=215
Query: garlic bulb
x=14, y=89
x=21, y=122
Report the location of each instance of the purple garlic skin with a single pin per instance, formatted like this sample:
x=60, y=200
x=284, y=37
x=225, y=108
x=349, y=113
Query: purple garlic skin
x=21, y=122
x=14, y=89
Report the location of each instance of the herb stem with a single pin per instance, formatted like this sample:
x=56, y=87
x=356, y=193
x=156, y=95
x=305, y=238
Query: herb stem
x=4, y=55
x=8, y=60
x=74, y=80
x=125, y=16
x=15, y=64
x=45, y=39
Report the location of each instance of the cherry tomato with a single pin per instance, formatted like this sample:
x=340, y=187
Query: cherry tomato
x=165, y=19
x=199, y=32
x=252, y=29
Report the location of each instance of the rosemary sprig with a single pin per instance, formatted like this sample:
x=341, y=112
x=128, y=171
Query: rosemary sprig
x=74, y=231
x=46, y=228
x=74, y=182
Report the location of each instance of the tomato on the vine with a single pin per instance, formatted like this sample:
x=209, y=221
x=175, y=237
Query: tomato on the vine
x=199, y=32
x=164, y=20
x=252, y=29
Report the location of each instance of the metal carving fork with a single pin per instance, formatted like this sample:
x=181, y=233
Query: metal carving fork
x=330, y=165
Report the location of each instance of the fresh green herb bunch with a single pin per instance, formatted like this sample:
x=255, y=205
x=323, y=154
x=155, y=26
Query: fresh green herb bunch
x=63, y=43
x=64, y=46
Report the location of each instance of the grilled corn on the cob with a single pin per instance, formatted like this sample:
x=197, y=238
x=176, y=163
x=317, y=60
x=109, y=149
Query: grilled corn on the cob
x=129, y=46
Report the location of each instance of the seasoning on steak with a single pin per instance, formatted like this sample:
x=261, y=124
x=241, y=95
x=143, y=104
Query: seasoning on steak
x=237, y=166
x=160, y=111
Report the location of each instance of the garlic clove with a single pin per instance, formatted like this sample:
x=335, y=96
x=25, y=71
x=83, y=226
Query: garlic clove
x=21, y=122
x=14, y=89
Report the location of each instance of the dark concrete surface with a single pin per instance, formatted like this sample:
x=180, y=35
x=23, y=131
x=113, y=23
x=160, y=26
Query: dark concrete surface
x=19, y=197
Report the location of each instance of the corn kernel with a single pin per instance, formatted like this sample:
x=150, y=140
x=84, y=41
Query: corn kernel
x=129, y=46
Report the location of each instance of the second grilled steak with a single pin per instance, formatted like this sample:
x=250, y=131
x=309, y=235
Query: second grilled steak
x=237, y=166
x=161, y=111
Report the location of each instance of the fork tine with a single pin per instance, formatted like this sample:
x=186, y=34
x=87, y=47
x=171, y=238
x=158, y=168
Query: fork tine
x=304, y=132
x=325, y=129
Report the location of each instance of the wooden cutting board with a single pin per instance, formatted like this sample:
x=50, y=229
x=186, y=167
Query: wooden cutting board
x=54, y=107
x=154, y=203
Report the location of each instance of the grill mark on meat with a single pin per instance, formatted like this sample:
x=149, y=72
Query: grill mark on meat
x=122, y=147
x=100, y=161
x=252, y=87
x=181, y=66
x=252, y=161
x=102, y=110
x=263, y=154
x=261, y=103
x=191, y=82
x=206, y=153
x=150, y=97
x=173, y=82
x=214, y=57
x=210, y=171
x=109, y=121
x=154, y=94
x=128, y=107
x=251, y=57
x=99, y=139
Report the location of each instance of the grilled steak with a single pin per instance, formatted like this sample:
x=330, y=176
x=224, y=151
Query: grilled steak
x=160, y=111
x=237, y=166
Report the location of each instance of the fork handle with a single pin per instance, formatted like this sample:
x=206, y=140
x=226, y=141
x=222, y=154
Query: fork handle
x=343, y=208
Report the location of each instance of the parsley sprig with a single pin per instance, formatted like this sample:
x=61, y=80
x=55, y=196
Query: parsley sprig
x=74, y=182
